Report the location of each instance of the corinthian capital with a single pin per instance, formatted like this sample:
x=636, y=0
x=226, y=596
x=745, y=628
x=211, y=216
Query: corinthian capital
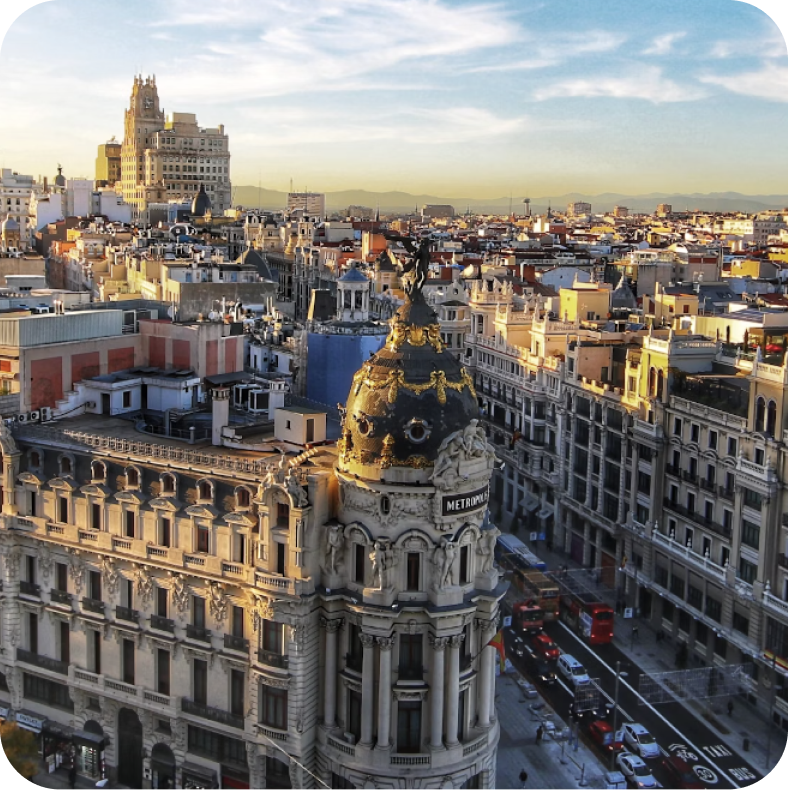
x=367, y=640
x=456, y=640
x=331, y=626
x=437, y=642
x=385, y=642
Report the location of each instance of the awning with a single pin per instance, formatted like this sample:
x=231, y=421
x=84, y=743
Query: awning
x=545, y=512
x=62, y=731
x=530, y=503
x=28, y=720
x=89, y=739
x=199, y=770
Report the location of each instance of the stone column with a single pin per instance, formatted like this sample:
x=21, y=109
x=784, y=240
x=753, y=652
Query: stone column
x=453, y=702
x=384, y=691
x=367, y=688
x=330, y=681
x=484, y=685
x=437, y=682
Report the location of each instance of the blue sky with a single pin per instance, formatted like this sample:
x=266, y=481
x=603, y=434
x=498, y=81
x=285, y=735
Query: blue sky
x=450, y=97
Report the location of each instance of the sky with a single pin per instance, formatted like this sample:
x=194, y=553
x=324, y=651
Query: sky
x=478, y=98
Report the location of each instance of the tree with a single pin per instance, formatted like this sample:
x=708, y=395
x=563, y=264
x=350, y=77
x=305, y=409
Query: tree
x=21, y=749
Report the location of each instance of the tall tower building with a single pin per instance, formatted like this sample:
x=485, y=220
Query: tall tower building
x=170, y=158
x=108, y=163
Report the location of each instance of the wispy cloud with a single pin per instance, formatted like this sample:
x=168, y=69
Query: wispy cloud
x=662, y=45
x=769, y=82
x=646, y=83
x=770, y=46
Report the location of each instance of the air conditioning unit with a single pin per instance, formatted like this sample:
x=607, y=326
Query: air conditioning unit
x=350, y=738
x=46, y=413
x=35, y=416
x=9, y=423
x=22, y=418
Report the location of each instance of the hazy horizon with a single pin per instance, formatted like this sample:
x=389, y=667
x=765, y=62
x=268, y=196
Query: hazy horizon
x=445, y=97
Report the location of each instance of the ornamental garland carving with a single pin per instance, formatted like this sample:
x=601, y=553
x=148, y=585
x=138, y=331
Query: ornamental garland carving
x=394, y=381
x=76, y=568
x=180, y=594
x=416, y=336
x=263, y=610
x=218, y=601
x=144, y=584
x=111, y=574
x=44, y=560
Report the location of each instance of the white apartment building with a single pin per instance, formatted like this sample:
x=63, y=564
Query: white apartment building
x=16, y=191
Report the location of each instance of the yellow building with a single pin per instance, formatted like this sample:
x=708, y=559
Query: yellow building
x=585, y=302
x=108, y=163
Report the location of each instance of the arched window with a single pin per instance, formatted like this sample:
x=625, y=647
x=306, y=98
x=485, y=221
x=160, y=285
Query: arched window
x=98, y=471
x=760, y=414
x=652, y=381
x=35, y=459
x=660, y=385
x=242, y=497
x=132, y=477
x=771, y=418
x=66, y=467
x=205, y=490
x=167, y=484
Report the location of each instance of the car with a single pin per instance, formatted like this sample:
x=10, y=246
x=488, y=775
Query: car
x=537, y=667
x=518, y=646
x=545, y=647
x=635, y=770
x=681, y=774
x=601, y=733
x=573, y=670
x=640, y=741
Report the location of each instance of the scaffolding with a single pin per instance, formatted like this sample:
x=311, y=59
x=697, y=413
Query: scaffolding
x=586, y=584
x=700, y=684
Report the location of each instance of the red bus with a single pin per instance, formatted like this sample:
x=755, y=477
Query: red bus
x=589, y=617
x=527, y=617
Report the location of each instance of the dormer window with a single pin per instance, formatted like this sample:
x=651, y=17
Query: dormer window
x=66, y=466
x=242, y=498
x=205, y=490
x=35, y=459
x=132, y=478
x=167, y=484
x=98, y=471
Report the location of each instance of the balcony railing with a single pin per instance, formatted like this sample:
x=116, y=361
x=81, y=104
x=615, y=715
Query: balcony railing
x=43, y=662
x=273, y=659
x=727, y=493
x=198, y=633
x=212, y=714
x=30, y=588
x=162, y=623
x=239, y=643
x=60, y=596
x=124, y=613
x=93, y=605
x=707, y=485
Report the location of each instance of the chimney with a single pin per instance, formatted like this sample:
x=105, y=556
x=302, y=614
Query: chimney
x=221, y=413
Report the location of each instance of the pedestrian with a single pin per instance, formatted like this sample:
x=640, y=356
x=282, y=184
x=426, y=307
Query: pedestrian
x=539, y=734
x=72, y=775
x=730, y=707
x=523, y=777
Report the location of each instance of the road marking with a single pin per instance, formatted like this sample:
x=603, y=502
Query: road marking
x=564, y=686
x=649, y=705
x=718, y=750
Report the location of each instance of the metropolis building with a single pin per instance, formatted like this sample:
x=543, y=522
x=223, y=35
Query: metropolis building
x=207, y=616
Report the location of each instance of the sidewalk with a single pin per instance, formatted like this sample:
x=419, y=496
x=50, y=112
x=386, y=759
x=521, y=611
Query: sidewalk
x=518, y=749
x=59, y=779
x=653, y=657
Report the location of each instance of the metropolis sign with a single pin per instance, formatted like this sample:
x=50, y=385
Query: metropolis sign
x=464, y=503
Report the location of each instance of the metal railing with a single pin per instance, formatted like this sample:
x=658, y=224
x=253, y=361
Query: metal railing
x=239, y=643
x=198, y=633
x=60, y=596
x=29, y=588
x=124, y=613
x=162, y=623
x=93, y=605
x=212, y=714
x=43, y=662
x=273, y=659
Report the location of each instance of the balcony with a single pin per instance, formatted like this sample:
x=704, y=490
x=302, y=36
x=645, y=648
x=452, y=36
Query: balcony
x=30, y=588
x=273, y=659
x=707, y=485
x=42, y=662
x=411, y=673
x=727, y=493
x=212, y=714
x=93, y=605
x=672, y=470
x=162, y=623
x=60, y=596
x=198, y=634
x=124, y=613
x=239, y=643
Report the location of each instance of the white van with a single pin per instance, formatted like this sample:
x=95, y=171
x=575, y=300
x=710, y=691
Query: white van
x=573, y=670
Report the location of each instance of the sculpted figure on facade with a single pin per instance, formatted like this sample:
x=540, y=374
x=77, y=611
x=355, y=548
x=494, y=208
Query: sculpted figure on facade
x=111, y=574
x=144, y=584
x=295, y=489
x=450, y=455
x=383, y=560
x=486, y=548
x=443, y=559
x=218, y=601
x=335, y=542
x=263, y=610
x=180, y=595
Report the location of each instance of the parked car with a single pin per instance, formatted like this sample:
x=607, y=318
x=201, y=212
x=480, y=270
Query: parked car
x=573, y=670
x=545, y=647
x=640, y=741
x=601, y=733
x=681, y=774
x=635, y=770
x=615, y=780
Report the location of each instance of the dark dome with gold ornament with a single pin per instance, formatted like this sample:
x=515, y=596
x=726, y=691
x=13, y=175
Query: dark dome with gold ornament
x=409, y=396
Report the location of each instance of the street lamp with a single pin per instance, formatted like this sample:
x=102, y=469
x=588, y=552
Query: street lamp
x=619, y=674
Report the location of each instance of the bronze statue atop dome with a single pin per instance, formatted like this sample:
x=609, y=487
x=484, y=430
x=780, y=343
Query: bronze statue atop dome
x=418, y=268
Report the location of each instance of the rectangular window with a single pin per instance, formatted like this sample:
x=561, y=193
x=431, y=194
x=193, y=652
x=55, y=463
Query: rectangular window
x=198, y=611
x=96, y=651
x=61, y=576
x=32, y=632
x=354, y=713
x=127, y=669
x=200, y=681
x=747, y=570
x=414, y=570
x=409, y=727
x=410, y=657
x=203, y=539
x=741, y=623
x=713, y=609
x=701, y=634
x=464, y=564
x=272, y=634
x=712, y=440
x=161, y=601
x=62, y=505
x=238, y=621
x=281, y=563
x=65, y=641
x=131, y=523
x=695, y=433
x=237, y=691
x=95, y=515
x=695, y=597
x=644, y=483
x=732, y=446
x=752, y=498
x=750, y=534
x=677, y=427
x=127, y=399
x=355, y=650
x=94, y=587
x=273, y=707
x=164, y=532
x=163, y=671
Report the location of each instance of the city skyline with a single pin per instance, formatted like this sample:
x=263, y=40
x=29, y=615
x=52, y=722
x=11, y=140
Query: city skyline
x=368, y=95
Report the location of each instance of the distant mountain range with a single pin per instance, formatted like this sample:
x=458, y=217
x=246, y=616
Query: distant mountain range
x=254, y=197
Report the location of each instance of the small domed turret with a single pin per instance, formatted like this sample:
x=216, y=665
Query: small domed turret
x=201, y=204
